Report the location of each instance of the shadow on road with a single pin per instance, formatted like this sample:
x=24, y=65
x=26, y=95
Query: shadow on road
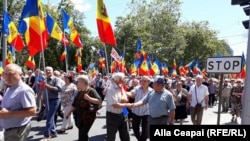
x=98, y=137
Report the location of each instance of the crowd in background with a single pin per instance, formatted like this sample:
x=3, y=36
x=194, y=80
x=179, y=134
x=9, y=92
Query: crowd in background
x=132, y=101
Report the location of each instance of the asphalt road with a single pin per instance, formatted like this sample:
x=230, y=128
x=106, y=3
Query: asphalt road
x=98, y=130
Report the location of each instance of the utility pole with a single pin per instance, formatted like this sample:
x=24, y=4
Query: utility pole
x=246, y=97
x=4, y=53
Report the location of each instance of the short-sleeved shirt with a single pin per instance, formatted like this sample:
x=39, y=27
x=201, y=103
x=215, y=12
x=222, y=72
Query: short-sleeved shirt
x=114, y=96
x=17, y=98
x=201, y=92
x=159, y=103
x=67, y=94
x=236, y=89
x=56, y=82
x=179, y=96
x=139, y=94
x=226, y=90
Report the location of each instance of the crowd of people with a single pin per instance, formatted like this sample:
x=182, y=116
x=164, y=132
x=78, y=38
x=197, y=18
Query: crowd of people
x=132, y=102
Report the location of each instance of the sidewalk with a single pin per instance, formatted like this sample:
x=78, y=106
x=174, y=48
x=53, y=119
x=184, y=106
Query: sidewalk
x=210, y=117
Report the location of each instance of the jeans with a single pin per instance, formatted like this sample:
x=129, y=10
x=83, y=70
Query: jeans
x=211, y=99
x=50, y=116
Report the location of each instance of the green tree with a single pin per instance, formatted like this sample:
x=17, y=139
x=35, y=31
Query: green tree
x=156, y=24
x=202, y=42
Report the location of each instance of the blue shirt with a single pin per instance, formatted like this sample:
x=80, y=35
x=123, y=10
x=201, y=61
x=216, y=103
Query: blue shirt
x=17, y=98
x=38, y=79
x=159, y=103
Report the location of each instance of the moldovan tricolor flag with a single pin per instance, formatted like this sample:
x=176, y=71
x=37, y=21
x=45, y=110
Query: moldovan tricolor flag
x=9, y=29
x=68, y=26
x=105, y=30
x=31, y=62
x=55, y=31
x=33, y=26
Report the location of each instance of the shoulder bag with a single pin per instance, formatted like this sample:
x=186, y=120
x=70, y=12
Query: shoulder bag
x=198, y=106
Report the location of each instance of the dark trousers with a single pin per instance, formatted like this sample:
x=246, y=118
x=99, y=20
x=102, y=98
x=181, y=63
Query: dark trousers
x=99, y=90
x=114, y=123
x=136, y=123
x=211, y=99
x=83, y=130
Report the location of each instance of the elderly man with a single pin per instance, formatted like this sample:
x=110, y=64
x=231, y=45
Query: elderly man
x=140, y=114
x=226, y=90
x=18, y=105
x=116, y=101
x=161, y=104
x=52, y=89
x=198, y=94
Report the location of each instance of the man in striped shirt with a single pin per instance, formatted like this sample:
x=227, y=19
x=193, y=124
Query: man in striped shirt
x=140, y=114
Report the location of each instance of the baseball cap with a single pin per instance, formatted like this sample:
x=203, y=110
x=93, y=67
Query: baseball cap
x=159, y=80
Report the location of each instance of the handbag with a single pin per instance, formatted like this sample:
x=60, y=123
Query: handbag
x=198, y=106
x=94, y=107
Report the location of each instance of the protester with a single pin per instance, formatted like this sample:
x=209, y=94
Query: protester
x=161, y=104
x=66, y=99
x=236, y=100
x=85, y=98
x=225, y=94
x=140, y=114
x=180, y=94
x=52, y=100
x=212, y=90
x=116, y=101
x=198, y=100
x=18, y=105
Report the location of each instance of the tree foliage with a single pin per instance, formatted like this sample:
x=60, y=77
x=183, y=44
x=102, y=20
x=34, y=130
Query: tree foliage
x=157, y=23
x=159, y=27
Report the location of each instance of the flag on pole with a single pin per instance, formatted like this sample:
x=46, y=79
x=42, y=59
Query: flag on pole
x=79, y=59
x=1, y=67
x=164, y=69
x=31, y=62
x=55, y=31
x=10, y=58
x=138, y=49
x=102, y=59
x=104, y=27
x=64, y=54
x=33, y=26
x=9, y=29
x=68, y=26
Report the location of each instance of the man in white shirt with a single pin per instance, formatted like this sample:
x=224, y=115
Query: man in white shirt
x=198, y=94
